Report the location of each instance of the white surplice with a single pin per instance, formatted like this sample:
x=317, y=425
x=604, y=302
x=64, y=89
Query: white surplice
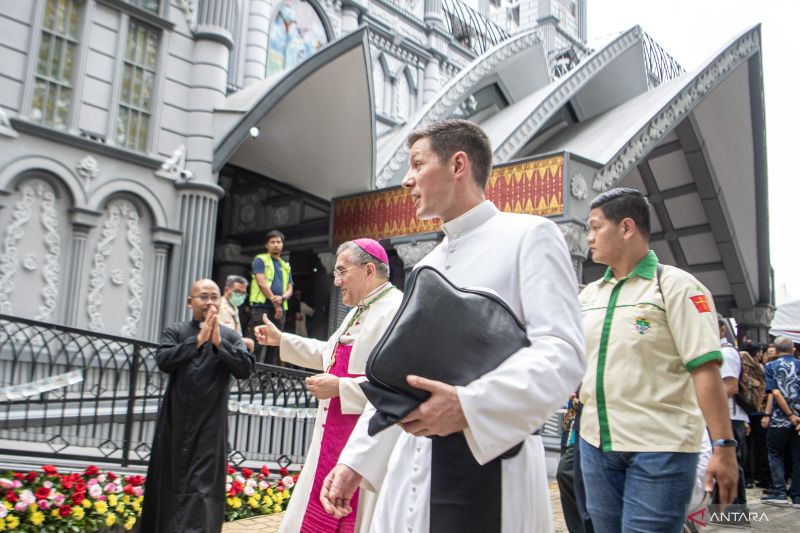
x=524, y=259
x=316, y=354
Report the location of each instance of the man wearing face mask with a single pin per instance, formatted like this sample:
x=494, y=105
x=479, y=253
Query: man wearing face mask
x=234, y=296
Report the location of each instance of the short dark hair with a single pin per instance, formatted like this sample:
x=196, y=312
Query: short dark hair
x=275, y=233
x=752, y=348
x=450, y=136
x=623, y=202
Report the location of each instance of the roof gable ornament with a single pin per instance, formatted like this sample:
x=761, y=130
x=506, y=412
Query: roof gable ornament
x=457, y=88
x=562, y=92
x=652, y=133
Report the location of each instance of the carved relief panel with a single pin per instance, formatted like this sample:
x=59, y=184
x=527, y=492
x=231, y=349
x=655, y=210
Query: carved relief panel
x=33, y=226
x=118, y=260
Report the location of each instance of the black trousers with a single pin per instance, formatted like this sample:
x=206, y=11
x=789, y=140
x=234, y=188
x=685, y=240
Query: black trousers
x=756, y=464
x=741, y=453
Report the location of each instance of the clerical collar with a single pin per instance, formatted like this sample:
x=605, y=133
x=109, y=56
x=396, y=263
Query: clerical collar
x=367, y=300
x=471, y=219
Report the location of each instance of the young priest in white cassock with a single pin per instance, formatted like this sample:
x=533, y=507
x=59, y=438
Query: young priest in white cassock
x=459, y=481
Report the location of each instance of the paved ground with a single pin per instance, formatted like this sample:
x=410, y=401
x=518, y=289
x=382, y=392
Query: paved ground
x=764, y=518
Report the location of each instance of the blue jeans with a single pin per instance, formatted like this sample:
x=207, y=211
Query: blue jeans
x=779, y=442
x=642, y=492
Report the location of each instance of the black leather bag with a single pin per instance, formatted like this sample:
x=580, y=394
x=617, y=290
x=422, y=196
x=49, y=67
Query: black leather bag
x=440, y=332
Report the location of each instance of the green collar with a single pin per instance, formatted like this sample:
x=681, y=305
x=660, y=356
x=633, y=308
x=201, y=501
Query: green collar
x=646, y=268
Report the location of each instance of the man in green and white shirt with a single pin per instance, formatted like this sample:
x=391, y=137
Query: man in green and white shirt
x=652, y=377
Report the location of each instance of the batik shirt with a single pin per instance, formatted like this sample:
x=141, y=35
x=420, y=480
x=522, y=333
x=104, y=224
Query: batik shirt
x=784, y=374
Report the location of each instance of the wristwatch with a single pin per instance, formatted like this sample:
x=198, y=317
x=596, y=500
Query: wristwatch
x=724, y=443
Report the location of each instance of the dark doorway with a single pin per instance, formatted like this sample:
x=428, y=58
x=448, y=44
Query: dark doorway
x=253, y=205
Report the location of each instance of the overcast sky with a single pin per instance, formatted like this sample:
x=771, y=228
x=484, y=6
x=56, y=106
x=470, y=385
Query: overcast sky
x=693, y=30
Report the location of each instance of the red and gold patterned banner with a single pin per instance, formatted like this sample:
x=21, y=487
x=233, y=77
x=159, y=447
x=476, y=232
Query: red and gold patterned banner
x=534, y=187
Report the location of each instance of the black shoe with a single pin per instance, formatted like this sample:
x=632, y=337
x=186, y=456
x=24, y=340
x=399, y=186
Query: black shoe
x=796, y=502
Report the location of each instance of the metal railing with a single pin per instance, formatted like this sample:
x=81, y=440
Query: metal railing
x=471, y=29
x=661, y=66
x=77, y=395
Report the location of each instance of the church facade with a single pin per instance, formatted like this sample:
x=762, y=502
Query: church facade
x=147, y=143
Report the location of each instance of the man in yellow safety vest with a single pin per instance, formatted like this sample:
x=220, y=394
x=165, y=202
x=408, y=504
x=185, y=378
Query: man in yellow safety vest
x=270, y=289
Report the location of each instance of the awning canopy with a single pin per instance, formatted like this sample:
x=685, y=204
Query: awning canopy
x=316, y=123
x=787, y=321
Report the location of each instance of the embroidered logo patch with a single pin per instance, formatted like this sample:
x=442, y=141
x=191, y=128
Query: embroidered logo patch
x=701, y=303
x=642, y=325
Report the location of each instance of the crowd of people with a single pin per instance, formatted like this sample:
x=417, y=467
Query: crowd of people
x=654, y=384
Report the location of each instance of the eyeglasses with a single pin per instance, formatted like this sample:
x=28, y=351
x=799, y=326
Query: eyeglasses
x=207, y=297
x=338, y=273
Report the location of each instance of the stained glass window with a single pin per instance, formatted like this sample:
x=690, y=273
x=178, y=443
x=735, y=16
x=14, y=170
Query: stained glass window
x=136, y=89
x=52, y=92
x=296, y=34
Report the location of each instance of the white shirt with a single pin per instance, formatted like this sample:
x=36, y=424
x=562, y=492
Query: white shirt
x=731, y=368
x=524, y=259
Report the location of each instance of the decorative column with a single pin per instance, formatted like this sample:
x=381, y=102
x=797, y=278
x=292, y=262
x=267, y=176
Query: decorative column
x=547, y=22
x=351, y=13
x=83, y=220
x=412, y=252
x=213, y=42
x=163, y=241
x=754, y=322
x=198, y=218
x=437, y=46
x=258, y=22
x=576, y=235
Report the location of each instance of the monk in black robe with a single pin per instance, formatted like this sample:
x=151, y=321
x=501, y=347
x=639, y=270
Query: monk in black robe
x=185, y=488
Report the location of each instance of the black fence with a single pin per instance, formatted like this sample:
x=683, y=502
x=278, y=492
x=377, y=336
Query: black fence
x=79, y=395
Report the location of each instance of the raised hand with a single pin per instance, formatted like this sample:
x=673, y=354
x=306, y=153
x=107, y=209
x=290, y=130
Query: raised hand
x=205, y=328
x=216, y=339
x=269, y=333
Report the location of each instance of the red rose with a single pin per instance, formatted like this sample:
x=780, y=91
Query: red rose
x=265, y=470
x=80, y=486
x=294, y=477
x=246, y=472
x=91, y=470
x=284, y=471
x=280, y=487
x=19, y=475
x=231, y=470
x=31, y=476
x=129, y=489
x=236, y=487
x=135, y=480
x=78, y=497
x=50, y=470
x=42, y=493
x=12, y=497
x=64, y=510
x=111, y=476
